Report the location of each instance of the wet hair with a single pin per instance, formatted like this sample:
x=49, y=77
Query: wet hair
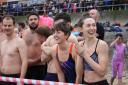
x=63, y=26
x=8, y=17
x=21, y=24
x=32, y=13
x=63, y=16
x=119, y=35
x=44, y=31
x=81, y=20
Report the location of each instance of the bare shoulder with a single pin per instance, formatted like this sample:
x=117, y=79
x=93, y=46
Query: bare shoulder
x=3, y=43
x=102, y=45
x=50, y=38
x=26, y=31
x=20, y=41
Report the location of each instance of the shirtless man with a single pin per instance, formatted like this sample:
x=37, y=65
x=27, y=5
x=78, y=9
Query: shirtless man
x=13, y=52
x=35, y=69
x=2, y=35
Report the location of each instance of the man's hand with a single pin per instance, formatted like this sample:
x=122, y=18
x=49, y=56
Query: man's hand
x=46, y=49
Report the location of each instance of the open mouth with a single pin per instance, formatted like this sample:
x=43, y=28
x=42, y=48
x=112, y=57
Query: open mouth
x=91, y=32
x=56, y=38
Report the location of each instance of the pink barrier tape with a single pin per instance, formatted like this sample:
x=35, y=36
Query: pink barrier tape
x=32, y=81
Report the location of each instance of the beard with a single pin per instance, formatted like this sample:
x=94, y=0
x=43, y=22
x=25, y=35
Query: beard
x=33, y=26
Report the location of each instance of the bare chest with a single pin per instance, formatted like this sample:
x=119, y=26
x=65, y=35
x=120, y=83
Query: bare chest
x=9, y=49
x=63, y=56
x=32, y=40
x=89, y=50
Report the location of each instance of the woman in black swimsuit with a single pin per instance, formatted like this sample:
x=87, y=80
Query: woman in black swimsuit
x=67, y=63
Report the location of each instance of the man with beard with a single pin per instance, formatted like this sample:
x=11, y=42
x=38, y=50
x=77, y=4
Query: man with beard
x=13, y=52
x=35, y=69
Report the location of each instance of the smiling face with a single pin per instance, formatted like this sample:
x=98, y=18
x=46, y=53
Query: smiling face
x=60, y=36
x=8, y=26
x=89, y=27
x=62, y=31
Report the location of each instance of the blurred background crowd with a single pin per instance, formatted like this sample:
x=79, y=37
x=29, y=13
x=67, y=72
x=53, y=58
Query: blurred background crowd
x=52, y=7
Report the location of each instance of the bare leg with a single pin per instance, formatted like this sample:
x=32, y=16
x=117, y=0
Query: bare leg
x=120, y=82
x=112, y=80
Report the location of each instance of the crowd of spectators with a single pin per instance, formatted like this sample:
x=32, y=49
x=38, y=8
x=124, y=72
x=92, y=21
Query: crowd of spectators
x=57, y=6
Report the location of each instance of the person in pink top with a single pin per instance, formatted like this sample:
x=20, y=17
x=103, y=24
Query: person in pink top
x=118, y=58
x=45, y=20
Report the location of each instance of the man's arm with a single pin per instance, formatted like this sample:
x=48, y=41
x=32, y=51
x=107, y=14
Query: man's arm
x=47, y=42
x=74, y=40
x=24, y=34
x=46, y=46
x=50, y=51
x=44, y=57
x=23, y=54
